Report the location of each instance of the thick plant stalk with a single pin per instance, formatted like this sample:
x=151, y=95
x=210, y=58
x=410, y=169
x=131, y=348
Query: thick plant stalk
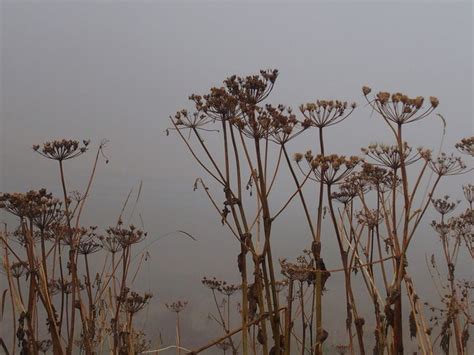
x=178, y=335
x=288, y=321
x=11, y=288
x=267, y=225
x=351, y=305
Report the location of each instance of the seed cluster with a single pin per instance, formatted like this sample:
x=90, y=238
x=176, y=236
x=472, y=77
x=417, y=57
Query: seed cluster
x=466, y=146
x=177, y=306
x=325, y=113
x=391, y=157
x=447, y=165
x=62, y=149
x=399, y=108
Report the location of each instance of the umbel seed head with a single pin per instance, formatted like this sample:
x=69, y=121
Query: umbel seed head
x=63, y=149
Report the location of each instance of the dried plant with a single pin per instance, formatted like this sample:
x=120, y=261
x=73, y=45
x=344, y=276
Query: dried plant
x=370, y=207
x=466, y=146
x=177, y=307
x=50, y=280
x=373, y=229
x=454, y=316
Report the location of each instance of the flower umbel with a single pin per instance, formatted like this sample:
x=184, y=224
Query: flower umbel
x=325, y=113
x=62, y=149
x=398, y=107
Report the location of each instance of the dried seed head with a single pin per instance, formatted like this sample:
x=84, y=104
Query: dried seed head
x=297, y=157
x=176, y=306
x=434, y=101
x=391, y=157
x=466, y=146
x=346, y=193
x=62, y=149
x=398, y=107
x=133, y=302
x=447, y=165
x=468, y=192
x=441, y=228
x=331, y=169
x=110, y=243
x=443, y=205
x=18, y=269
x=228, y=289
x=325, y=113
x=126, y=236
x=212, y=284
x=88, y=247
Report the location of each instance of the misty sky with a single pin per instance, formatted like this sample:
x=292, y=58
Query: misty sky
x=118, y=70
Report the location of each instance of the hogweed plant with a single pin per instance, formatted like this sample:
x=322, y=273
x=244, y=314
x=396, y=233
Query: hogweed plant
x=454, y=317
x=376, y=204
x=59, y=302
x=224, y=307
x=177, y=307
x=370, y=207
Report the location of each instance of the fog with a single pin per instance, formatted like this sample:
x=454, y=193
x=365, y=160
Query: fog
x=117, y=71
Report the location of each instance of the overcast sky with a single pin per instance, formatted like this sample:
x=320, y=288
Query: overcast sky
x=117, y=70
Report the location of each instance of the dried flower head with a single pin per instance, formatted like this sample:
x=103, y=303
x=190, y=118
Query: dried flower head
x=110, y=243
x=236, y=99
x=299, y=271
x=228, y=289
x=195, y=121
x=446, y=165
x=297, y=157
x=49, y=212
x=126, y=236
x=62, y=149
x=86, y=247
x=468, y=192
x=251, y=90
x=27, y=205
x=70, y=236
x=212, y=284
x=346, y=193
x=461, y=226
x=398, y=107
x=325, y=113
x=466, y=146
x=441, y=228
x=331, y=169
x=218, y=105
x=283, y=123
x=176, y=306
x=18, y=269
x=443, y=205
x=132, y=302
x=378, y=178
x=390, y=155
x=278, y=124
